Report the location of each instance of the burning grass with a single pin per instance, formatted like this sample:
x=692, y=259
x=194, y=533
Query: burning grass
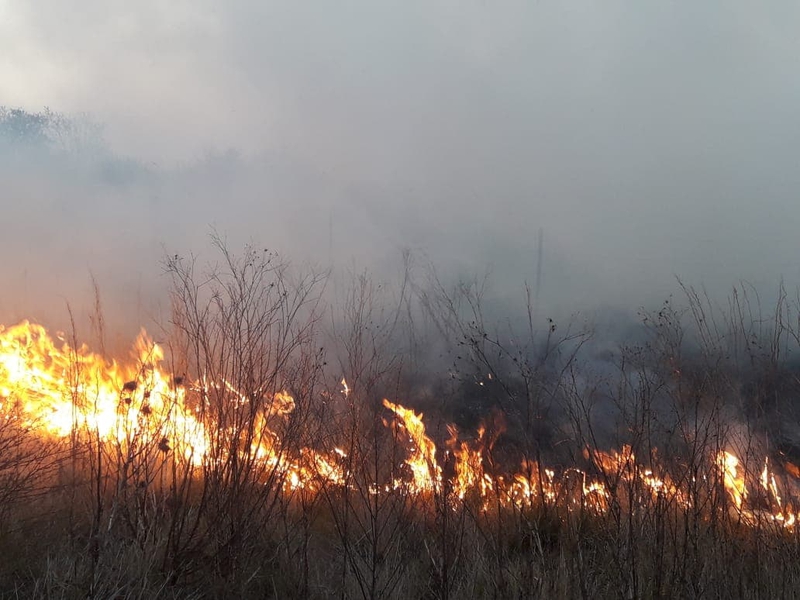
x=154, y=464
x=232, y=461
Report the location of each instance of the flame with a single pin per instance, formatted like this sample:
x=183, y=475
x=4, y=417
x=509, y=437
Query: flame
x=769, y=484
x=732, y=479
x=427, y=475
x=469, y=473
x=60, y=391
x=59, y=388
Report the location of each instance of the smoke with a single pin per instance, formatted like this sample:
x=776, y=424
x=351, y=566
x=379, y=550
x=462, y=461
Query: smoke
x=644, y=142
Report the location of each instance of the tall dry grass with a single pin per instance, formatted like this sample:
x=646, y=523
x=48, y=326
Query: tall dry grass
x=92, y=518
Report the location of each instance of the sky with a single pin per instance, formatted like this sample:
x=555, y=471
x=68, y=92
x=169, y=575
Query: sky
x=640, y=141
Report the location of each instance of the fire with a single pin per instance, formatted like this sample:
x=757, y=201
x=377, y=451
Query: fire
x=469, y=473
x=572, y=488
x=65, y=392
x=60, y=390
x=769, y=484
x=59, y=387
x=427, y=475
x=733, y=480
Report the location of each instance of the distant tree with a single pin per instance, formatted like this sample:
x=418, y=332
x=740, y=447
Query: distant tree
x=18, y=126
x=49, y=130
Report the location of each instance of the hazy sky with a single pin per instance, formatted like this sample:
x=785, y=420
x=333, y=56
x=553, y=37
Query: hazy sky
x=645, y=139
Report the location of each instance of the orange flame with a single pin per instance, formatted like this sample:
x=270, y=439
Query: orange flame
x=426, y=472
x=59, y=390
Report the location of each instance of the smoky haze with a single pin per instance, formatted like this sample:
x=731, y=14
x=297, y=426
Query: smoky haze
x=643, y=140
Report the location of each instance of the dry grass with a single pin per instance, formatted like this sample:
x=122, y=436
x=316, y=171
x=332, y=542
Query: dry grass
x=91, y=519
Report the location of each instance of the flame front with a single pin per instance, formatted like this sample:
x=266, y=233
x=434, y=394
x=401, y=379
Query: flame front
x=58, y=391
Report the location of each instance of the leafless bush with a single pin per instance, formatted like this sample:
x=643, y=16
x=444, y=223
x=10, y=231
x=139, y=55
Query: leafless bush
x=245, y=329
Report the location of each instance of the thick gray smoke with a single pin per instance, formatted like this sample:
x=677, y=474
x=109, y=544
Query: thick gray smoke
x=644, y=141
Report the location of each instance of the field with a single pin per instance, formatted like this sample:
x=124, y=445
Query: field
x=399, y=444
